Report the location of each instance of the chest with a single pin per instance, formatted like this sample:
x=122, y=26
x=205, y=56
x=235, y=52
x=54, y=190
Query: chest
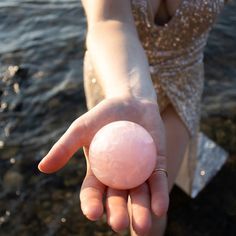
x=178, y=23
x=164, y=10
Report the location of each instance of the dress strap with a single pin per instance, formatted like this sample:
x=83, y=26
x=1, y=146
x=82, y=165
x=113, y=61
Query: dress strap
x=145, y=8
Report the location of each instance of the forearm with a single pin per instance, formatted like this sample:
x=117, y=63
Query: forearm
x=119, y=60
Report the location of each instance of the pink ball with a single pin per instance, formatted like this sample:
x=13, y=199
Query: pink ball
x=122, y=155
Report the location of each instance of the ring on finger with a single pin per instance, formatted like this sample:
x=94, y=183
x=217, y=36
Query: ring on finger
x=161, y=170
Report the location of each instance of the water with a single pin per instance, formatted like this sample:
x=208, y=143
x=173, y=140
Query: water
x=41, y=92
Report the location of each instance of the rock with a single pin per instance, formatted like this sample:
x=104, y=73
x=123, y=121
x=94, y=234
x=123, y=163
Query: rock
x=12, y=180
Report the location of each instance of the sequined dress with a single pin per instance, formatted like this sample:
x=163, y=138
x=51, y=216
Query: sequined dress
x=175, y=55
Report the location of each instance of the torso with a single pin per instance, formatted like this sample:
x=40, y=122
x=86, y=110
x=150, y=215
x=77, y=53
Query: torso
x=174, y=25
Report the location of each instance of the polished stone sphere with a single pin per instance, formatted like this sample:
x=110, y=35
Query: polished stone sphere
x=122, y=155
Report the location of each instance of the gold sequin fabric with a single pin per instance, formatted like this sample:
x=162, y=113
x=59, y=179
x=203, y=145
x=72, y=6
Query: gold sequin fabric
x=175, y=53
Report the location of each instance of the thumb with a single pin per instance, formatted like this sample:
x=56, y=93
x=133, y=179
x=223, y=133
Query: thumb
x=65, y=147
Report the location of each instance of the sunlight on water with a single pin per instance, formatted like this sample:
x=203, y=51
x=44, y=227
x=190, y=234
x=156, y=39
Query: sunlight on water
x=41, y=93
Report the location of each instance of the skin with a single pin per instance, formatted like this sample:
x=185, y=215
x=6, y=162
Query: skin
x=81, y=132
x=164, y=10
x=123, y=73
x=177, y=138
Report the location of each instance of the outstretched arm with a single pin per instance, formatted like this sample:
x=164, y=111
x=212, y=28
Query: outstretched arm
x=115, y=50
x=121, y=65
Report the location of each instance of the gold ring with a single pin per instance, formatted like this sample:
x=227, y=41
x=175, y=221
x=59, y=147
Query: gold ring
x=161, y=169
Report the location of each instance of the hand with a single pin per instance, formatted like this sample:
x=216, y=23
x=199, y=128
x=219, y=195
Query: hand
x=150, y=196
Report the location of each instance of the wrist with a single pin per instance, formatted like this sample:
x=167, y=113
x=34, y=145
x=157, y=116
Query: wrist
x=132, y=95
x=134, y=88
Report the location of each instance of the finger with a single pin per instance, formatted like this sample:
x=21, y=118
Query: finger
x=91, y=194
x=158, y=181
x=65, y=147
x=159, y=137
x=117, y=212
x=140, y=208
x=158, y=184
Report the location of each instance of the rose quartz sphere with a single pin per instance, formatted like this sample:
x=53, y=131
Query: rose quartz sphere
x=122, y=155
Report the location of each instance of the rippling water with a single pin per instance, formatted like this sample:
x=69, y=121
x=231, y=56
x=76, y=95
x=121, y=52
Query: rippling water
x=41, y=92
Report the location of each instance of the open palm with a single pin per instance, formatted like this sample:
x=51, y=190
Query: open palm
x=150, y=196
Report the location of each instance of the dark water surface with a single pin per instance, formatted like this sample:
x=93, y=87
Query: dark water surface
x=41, y=93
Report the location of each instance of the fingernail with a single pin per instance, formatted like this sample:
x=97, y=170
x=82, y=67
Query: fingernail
x=39, y=166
